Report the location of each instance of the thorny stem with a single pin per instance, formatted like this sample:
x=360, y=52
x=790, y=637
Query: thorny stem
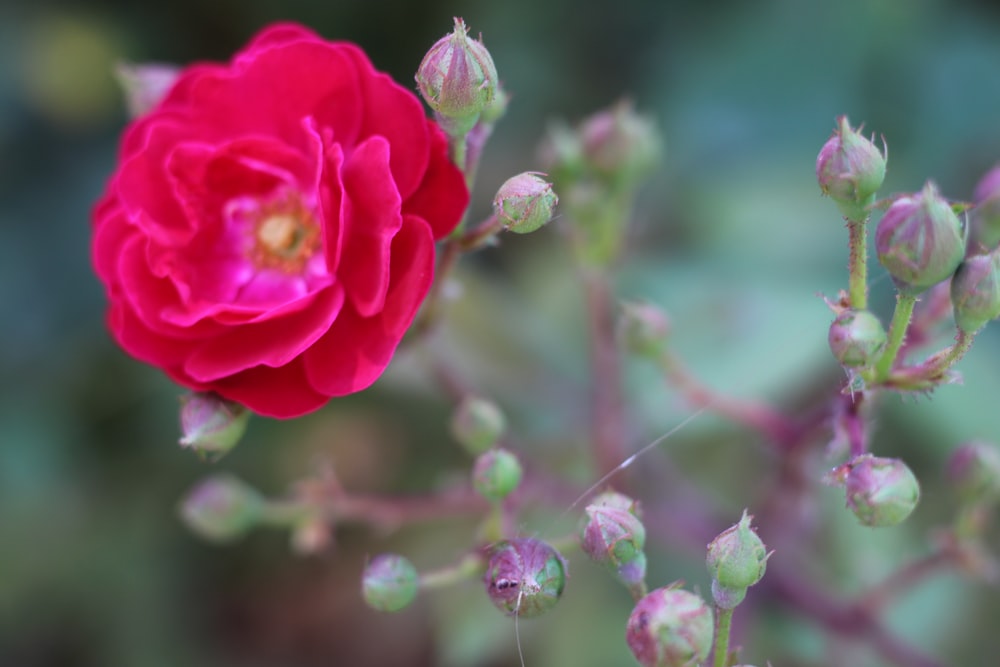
x=897, y=334
x=858, y=263
x=760, y=417
x=607, y=405
x=720, y=652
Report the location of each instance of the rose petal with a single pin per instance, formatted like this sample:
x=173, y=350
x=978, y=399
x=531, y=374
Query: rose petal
x=273, y=392
x=356, y=350
x=278, y=34
x=371, y=218
x=442, y=197
x=273, y=342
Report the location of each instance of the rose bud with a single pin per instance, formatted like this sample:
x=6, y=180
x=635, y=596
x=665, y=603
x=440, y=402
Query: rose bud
x=737, y=558
x=496, y=474
x=222, y=508
x=987, y=211
x=524, y=577
x=643, y=329
x=458, y=80
x=497, y=107
x=145, y=85
x=881, y=492
x=389, y=582
x=920, y=240
x=670, y=627
x=975, y=292
x=210, y=424
x=477, y=424
x=974, y=470
x=850, y=169
x=615, y=538
x=616, y=500
x=525, y=202
x=856, y=338
x=620, y=143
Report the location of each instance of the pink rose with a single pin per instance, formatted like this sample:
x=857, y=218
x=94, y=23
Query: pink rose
x=269, y=232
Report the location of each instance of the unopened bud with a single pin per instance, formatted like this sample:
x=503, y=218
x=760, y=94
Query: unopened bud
x=974, y=470
x=524, y=577
x=643, y=329
x=670, y=627
x=496, y=474
x=920, y=240
x=881, y=492
x=497, y=107
x=615, y=538
x=145, y=85
x=619, y=143
x=987, y=211
x=975, y=291
x=389, y=583
x=211, y=425
x=458, y=79
x=477, y=424
x=525, y=202
x=222, y=508
x=850, y=169
x=737, y=558
x=856, y=338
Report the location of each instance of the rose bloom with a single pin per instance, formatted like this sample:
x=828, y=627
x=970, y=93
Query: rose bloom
x=269, y=232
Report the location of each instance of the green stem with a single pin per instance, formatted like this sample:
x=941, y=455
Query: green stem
x=720, y=653
x=897, y=334
x=963, y=343
x=858, y=263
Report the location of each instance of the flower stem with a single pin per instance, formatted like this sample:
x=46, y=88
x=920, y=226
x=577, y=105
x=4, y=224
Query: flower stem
x=720, y=653
x=467, y=568
x=858, y=263
x=897, y=334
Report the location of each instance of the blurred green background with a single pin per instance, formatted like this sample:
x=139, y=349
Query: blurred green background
x=95, y=568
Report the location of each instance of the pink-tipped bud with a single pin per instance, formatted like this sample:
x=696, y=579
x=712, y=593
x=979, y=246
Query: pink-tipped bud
x=389, y=583
x=974, y=470
x=920, y=240
x=881, y=492
x=850, y=169
x=524, y=577
x=737, y=558
x=496, y=474
x=222, y=508
x=856, y=338
x=458, y=80
x=477, y=424
x=975, y=291
x=987, y=211
x=619, y=143
x=525, y=202
x=643, y=329
x=670, y=627
x=210, y=424
x=615, y=537
x=145, y=85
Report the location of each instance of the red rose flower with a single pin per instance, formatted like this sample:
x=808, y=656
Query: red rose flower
x=269, y=232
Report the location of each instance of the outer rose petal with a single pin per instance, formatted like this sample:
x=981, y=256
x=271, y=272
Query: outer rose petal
x=273, y=392
x=443, y=213
x=356, y=350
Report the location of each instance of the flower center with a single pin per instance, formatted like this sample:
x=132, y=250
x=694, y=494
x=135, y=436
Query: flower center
x=285, y=235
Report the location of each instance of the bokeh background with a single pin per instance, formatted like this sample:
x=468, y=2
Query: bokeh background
x=97, y=571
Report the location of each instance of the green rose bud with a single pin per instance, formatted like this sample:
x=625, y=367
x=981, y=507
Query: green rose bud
x=974, y=470
x=856, y=338
x=615, y=537
x=524, y=577
x=670, y=627
x=477, y=424
x=850, y=169
x=920, y=240
x=643, y=329
x=389, y=583
x=222, y=508
x=211, y=425
x=737, y=558
x=525, y=202
x=881, y=492
x=986, y=215
x=975, y=292
x=496, y=474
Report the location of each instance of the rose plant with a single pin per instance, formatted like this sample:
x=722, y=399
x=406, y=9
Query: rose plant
x=269, y=232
